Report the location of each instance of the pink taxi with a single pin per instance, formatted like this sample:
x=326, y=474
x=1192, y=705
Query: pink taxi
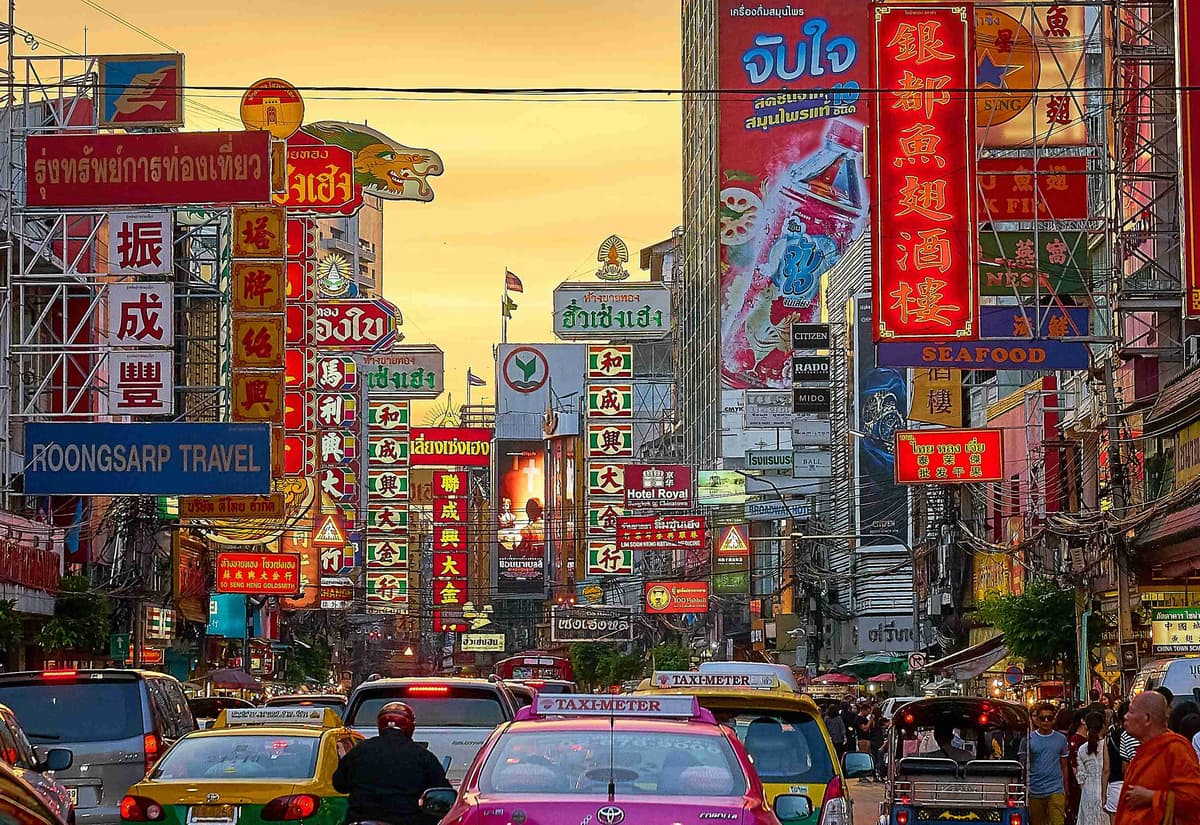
x=608, y=760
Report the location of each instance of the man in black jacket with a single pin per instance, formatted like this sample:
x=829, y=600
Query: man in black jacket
x=386, y=776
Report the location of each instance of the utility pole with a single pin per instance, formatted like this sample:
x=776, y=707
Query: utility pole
x=1116, y=486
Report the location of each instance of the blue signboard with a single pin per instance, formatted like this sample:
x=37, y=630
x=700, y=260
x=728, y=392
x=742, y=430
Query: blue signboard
x=226, y=615
x=159, y=459
x=1006, y=342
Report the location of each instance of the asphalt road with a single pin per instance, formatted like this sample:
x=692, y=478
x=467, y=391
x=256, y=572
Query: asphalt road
x=866, y=798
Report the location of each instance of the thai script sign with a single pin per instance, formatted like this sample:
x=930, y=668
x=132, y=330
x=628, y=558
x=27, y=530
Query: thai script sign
x=1007, y=343
x=676, y=597
x=591, y=624
x=413, y=371
x=152, y=169
x=622, y=312
x=167, y=459
x=1175, y=630
x=224, y=507
x=354, y=324
x=792, y=197
x=772, y=462
x=641, y=533
x=450, y=446
x=258, y=573
x=1022, y=263
x=923, y=281
x=320, y=180
x=949, y=456
x=658, y=486
x=481, y=642
x=884, y=632
x=135, y=91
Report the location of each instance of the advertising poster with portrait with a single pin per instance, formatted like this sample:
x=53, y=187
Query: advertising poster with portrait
x=520, y=519
x=792, y=195
x=882, y=406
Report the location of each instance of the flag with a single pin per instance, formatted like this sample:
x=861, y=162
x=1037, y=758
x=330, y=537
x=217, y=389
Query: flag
x=512, y=283
x=474, y=380
x=507, y=305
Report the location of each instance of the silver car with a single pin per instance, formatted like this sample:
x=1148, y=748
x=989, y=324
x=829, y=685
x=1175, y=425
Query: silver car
x=115, y=722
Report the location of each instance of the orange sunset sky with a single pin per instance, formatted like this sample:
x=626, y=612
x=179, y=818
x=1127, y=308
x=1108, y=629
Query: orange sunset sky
x=531, y=185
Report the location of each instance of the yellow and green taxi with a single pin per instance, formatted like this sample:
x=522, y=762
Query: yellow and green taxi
x=781, y=729
x=253, y=766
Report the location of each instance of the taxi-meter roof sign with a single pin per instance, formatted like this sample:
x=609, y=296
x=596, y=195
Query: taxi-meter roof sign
x=690, y=678
x=289, y=717
x=584, y=704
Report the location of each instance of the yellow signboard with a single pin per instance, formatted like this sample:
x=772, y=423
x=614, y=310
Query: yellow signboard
x=257, y=286
x=274, y=105
x=937, y=397
x=258, y=341
x=231, y=507
x=259, y=231
x=258, y=396
x=1187, y=454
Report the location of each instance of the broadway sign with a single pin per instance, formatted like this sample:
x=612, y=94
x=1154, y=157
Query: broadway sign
x=639, y=533
x=591, y=624
x=156, y=169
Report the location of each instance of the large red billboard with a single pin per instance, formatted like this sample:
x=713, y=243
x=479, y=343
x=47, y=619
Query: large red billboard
x=923, y=226
x=152, y=169
x=949, y=456
x=792, y=193
x=1188, y=30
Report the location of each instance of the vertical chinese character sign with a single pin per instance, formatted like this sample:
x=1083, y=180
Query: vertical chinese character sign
x=257, y=328
x=385, y=531
x=923, y=222
x=609, y=449
x=141, y=324
x=450, y=548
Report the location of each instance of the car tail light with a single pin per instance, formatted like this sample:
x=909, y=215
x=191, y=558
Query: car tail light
x=427, y=690
x=140, y=809
x=1014, y=818
x=901, y=817
x=298, y=806
x=834, y=811
x=152, y=748
x=59, y=674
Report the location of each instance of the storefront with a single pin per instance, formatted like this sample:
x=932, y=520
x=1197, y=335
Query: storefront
x=31, y=564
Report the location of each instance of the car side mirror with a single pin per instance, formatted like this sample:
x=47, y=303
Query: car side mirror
x=58, y=759
x=857, y=763
x=791, y=806
x=437, y=802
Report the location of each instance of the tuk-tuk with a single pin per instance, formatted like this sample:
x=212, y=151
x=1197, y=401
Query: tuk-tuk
x=957, y=759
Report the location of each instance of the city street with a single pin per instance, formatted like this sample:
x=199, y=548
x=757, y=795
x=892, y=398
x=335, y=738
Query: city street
x=866, y=796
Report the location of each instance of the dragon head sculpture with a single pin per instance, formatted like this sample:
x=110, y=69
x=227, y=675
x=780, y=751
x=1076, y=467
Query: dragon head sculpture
x=383, y=167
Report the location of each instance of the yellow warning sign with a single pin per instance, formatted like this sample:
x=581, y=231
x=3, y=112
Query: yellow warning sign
x=734, y=541
x=329, y=533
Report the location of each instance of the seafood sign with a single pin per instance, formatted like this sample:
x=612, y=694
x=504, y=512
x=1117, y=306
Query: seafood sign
x=161, y=169
x=356, y=325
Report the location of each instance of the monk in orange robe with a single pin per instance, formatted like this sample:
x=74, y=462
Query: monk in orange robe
x=1162, y=783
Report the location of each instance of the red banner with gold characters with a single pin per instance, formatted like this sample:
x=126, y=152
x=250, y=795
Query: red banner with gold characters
x=923, y=216
x=949, y=456
x=449, y=538
x=1187, y=24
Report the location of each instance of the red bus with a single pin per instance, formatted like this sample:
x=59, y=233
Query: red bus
x=534, y=664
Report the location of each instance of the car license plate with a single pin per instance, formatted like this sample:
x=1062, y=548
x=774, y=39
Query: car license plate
x=213, y=814
x=73, y=795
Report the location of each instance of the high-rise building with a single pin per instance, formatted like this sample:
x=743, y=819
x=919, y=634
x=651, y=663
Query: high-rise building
x=698, y=306
x=351, y=252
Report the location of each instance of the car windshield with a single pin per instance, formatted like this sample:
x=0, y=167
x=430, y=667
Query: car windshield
x=91, y=711
x=248, y=756
x=786, y=747
x=583, y=762
x=454, y=709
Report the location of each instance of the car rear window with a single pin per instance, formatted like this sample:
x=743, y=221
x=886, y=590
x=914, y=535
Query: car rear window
x=453, y=708
x=252, y=756
x=582, y=762
x=91, y=711
x=786, y=747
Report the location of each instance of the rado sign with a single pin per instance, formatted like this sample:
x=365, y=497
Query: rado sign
x=810, y=368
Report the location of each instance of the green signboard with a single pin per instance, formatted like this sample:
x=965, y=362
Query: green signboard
x=1012, y=263
x=118, y=646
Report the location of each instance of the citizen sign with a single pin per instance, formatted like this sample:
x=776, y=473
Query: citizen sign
x=810, y=336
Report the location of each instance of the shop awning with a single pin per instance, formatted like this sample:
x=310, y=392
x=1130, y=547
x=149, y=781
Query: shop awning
x=1168, y=541
x=835, y=679
x=231, y=679
x=872, y=664
x=972, y=661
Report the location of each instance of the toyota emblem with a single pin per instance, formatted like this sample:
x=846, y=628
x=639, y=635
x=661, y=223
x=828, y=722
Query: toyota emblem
x=610, y=815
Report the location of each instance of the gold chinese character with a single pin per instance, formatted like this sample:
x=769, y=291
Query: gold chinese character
x=926, y=198
x=920, y=142
x=921, y=93
x=924, y=304
x=931, y=251
x=919, y=41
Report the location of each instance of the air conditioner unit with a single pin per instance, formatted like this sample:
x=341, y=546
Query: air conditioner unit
x=1191, y=346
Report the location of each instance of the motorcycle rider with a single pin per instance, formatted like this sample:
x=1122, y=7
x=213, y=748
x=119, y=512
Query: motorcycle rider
x=386, y=776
